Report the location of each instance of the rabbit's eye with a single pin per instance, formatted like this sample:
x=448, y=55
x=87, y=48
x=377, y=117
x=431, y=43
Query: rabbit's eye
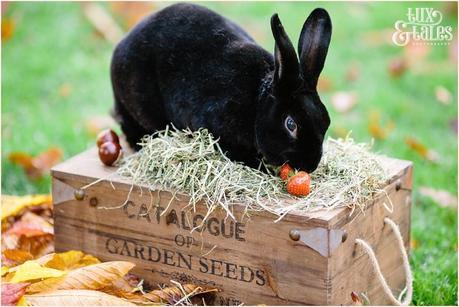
x=291, y=126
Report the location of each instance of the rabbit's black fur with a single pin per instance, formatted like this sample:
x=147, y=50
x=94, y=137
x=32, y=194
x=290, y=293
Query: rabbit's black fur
x=191, y=67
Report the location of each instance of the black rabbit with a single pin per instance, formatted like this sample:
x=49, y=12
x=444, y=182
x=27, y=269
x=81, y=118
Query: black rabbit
x=191, y=67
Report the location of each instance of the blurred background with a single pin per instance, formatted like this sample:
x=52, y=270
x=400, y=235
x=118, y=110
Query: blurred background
x=56, y=96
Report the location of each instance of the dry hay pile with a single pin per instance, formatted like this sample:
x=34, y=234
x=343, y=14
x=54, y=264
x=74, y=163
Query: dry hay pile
x=192, y=163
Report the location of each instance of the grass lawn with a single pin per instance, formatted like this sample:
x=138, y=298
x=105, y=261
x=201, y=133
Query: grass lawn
x=54, y=50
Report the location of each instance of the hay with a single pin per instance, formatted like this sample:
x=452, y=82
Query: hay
x=192, y=163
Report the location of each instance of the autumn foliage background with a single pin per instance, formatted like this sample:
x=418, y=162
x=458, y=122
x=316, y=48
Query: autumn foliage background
x=56, y=95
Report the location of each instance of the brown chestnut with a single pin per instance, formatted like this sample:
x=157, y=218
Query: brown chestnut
x=109, y=153
x=107, y=135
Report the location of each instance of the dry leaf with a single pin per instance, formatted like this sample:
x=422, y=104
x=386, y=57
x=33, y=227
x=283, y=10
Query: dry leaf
x=5, y=270
x=353, y=72
x=376, y=129
x=36, y=167
x=443, y=95
x=397, y=67
x=30, y=225
x=12, y=205
x=344, y=101
x=356, y=299
x=172, y=295
x=70, y=260
x=422, y=150
x=75, y=298
x=91, y=277
x=99, y=123
x=7, y=28
x=11, y=293
x=414, y=244
x=30, y=270
x=131, y=12
x=324, y=84
x=65, y=90
x=18, y=256
x=102, y=21
x=441, y=197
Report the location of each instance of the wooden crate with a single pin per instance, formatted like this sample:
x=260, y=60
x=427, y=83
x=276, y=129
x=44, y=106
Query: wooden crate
x=303, y=259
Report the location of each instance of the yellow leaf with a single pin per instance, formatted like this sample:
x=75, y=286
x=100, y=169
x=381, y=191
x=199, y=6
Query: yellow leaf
x=12, y=205
x=22, y=302
x=71, y=260
x=75, y=298
x=30, y=270
x=91, y=277
x=4, y=270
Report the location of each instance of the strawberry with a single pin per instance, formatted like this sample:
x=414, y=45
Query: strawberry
x=299, y=184
x=285, y=171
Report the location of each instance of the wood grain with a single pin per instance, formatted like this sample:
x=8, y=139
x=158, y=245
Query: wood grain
x=252, y=259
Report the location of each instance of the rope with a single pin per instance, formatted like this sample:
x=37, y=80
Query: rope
x=406, y=265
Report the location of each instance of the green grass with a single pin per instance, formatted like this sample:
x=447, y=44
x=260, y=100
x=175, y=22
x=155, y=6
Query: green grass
x=53, y=45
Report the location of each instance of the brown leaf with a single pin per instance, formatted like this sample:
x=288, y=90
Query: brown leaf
x=356, y=299
x=172, y=295
x=11, y=293
x=96, y=124
x=397, y=67
x=17, y=255
x=441, y=197
x=36, y=167
x=15, y=205
x=102, y=21
x=7, y=28
x=422, y=150
x=353, y=72
x=324, y=84
x=443, y=95
x=91, y=277
x=131, y=12
x=75, y=298
x=65, y=90
x=344, y=101
x=31, y=225
x=376, y=129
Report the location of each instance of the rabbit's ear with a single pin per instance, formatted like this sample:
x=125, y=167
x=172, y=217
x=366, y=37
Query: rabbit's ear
x=286, y=62
x=313, y=46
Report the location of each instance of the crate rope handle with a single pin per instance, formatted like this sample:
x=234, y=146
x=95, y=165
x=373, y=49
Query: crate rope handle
x=406, y=265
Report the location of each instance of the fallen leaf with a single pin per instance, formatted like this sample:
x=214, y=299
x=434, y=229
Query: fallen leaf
x=324, y=84
x=353, y=72
x=356, y=299
x=376, y=129
x=422, y=150
x=344, y=101
x=31, y=225
x=131, y=12
x=36, y=167
x=91, y=277
x=30, y=270
x=443, y=95
x=98, y=123
x=71, y=260
x=12, y=205
x=65, y=90
x=18, y=256
x=397, y=67
x=414, y=244
x=441, y=197
x=75, y=298
x=172, y=295
x=11, y=293
x=7, y=28
x=4, y=270
x=102, y=21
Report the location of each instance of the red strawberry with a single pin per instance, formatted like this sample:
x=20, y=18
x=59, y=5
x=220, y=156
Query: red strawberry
x=285, y=171
x=299, y=184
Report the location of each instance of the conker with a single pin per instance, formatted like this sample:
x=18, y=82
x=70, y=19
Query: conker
x=109, y=153
x=107, y=135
